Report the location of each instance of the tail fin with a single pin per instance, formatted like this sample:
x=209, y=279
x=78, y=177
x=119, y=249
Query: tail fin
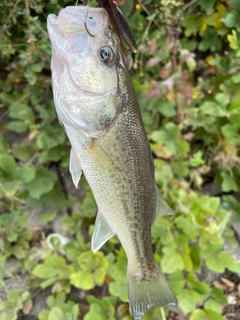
x=149, y=292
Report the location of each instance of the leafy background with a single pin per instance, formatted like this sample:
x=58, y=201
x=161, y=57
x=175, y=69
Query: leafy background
x=186, y=76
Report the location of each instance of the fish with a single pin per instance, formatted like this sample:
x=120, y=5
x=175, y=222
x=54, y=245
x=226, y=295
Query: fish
x=97, y=105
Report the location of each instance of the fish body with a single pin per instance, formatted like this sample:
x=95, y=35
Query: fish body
x=97, y=105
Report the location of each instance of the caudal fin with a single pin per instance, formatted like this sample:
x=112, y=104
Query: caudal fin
x=149, y=292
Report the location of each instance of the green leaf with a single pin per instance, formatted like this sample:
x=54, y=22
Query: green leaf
x=25, y=174
x=88, y=206
x=180, y=167
x=9, y=314
x=236, y=78
x=22, y=112
x=43, y=315
x=49, y=282
x=51, y=137
x=101, y=309
x=206, y=5
x=219, y=295
x=213, y=109
x=228, y=183
x=208, y=205
x=171, y=139
x=221, y=261
x=213, y=315
x=197, y=159
x=176, y=281
x=163, y=172
x=203, y=289
x=231, y=204
x=75, y=312
x=171, y=261
x=187, y=300
x=118, y=272
x=37, y=67
x=236, y=5
x=30, y=76
x=43, y=183
x=17, y=126
x=48, y=216
x=231, y=19
x=11, y=187
x=93, y=269
x=198, y=315
x=54, y=301
x=8, y=164
x=165, y=107
x=56, y=314
x=82, y=280
x=210, y=244
x=25, y=152
x=53, y=266
x=44, y=271
x=230, y=131
x=195, y=257
x=212, y=304
x=186, y=225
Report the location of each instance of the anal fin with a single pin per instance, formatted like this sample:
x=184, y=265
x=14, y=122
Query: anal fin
x=162, y=206
x=102, y=232
x=75, y=167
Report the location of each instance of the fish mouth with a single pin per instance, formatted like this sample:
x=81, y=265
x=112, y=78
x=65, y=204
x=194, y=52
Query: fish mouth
x=76, y=18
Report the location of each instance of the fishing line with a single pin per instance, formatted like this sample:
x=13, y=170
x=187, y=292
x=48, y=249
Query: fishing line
x=85, y=22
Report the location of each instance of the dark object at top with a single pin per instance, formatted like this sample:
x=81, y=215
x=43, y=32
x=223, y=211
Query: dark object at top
x=119, y=23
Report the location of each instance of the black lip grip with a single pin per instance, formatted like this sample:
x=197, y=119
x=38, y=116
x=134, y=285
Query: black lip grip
x=119, y=23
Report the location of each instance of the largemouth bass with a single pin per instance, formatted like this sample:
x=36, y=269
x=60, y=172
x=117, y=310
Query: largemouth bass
x=97, y=105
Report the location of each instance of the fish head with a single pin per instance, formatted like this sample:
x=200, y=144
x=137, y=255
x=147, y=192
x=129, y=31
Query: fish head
x=87, y=65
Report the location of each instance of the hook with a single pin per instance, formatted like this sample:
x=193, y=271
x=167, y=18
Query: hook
x=85, y=2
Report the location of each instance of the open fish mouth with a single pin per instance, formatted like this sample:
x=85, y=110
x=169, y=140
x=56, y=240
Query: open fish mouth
x=76, y=20
x=91, y=19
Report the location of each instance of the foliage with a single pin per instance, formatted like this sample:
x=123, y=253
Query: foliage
x=186, y=76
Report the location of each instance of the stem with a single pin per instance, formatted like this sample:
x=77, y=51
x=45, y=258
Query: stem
x=188, y=5
x=27, y=7
x=149, y=13
x=175, y=71
x=144, y=37
x=162, y=314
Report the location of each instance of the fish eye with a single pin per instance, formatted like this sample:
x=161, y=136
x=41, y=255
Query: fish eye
x=107, y=55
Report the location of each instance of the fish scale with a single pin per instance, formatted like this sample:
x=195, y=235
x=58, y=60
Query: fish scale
x=102, y=119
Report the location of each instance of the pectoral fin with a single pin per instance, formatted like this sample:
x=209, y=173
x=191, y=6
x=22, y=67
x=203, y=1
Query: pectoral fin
x=75, y=167
x=162, y=206
x=102, y=232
